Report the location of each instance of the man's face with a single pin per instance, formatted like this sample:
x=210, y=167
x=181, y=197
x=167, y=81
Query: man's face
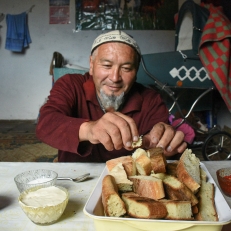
x=113, y=67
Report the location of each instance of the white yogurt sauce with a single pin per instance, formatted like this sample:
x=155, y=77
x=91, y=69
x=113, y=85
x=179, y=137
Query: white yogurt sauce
x=40, y=180
x=42, y=197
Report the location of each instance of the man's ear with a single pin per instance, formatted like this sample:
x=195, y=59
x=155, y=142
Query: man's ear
x=91, y=65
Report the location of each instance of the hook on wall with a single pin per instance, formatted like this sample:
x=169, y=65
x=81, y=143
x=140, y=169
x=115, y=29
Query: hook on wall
x=30, y=10
x=2, y=16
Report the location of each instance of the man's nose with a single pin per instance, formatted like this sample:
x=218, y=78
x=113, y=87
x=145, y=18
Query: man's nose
x=115, y=75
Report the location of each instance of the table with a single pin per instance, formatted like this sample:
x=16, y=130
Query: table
x=13, y=218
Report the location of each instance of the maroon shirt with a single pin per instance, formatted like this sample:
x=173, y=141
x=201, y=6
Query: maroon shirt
x=73, y=101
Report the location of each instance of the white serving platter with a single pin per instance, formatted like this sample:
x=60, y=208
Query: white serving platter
x=94, y=209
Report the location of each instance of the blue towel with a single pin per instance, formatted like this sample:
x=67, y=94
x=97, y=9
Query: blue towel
x=17, y=36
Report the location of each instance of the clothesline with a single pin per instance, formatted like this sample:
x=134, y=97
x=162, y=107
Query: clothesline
x=2, y=15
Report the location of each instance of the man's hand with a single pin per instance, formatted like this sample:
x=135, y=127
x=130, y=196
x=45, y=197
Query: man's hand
x=165, y=136
x=114, y=130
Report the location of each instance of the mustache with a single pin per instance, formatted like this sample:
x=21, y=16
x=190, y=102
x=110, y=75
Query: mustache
x=112, y=84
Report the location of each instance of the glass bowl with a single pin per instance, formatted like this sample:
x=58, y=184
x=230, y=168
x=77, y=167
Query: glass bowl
x=32, y=178
x=224, y=180
x=49, y=210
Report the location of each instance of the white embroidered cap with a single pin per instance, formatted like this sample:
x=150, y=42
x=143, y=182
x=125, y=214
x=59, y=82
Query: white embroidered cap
x=115, y=36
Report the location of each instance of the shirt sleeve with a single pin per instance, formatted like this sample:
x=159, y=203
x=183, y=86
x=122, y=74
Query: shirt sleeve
x=56, y=125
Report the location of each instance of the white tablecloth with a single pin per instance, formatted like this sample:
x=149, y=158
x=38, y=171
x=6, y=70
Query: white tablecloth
x=13, y=218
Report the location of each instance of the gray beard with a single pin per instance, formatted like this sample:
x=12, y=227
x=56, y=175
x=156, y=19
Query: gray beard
x=111, y=101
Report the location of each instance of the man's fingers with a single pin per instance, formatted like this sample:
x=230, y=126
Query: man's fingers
x=105, y=139
x=176, y=141
x=162, y=134
x=182, y=147
x=115, y=130
x=165, y=136
x=114, y=134
x=128, y=129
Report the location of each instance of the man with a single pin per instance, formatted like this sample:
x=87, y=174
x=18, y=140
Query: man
x=96, y=116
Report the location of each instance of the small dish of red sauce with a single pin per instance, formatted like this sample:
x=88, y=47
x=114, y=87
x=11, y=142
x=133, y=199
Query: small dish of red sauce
x=227, y=177
x=224, y=180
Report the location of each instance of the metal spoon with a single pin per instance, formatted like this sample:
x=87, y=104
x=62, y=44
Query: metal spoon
x=77, y=179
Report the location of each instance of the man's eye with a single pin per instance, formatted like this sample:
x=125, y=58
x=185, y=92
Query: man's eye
x=107, y=65
x=126, y=69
